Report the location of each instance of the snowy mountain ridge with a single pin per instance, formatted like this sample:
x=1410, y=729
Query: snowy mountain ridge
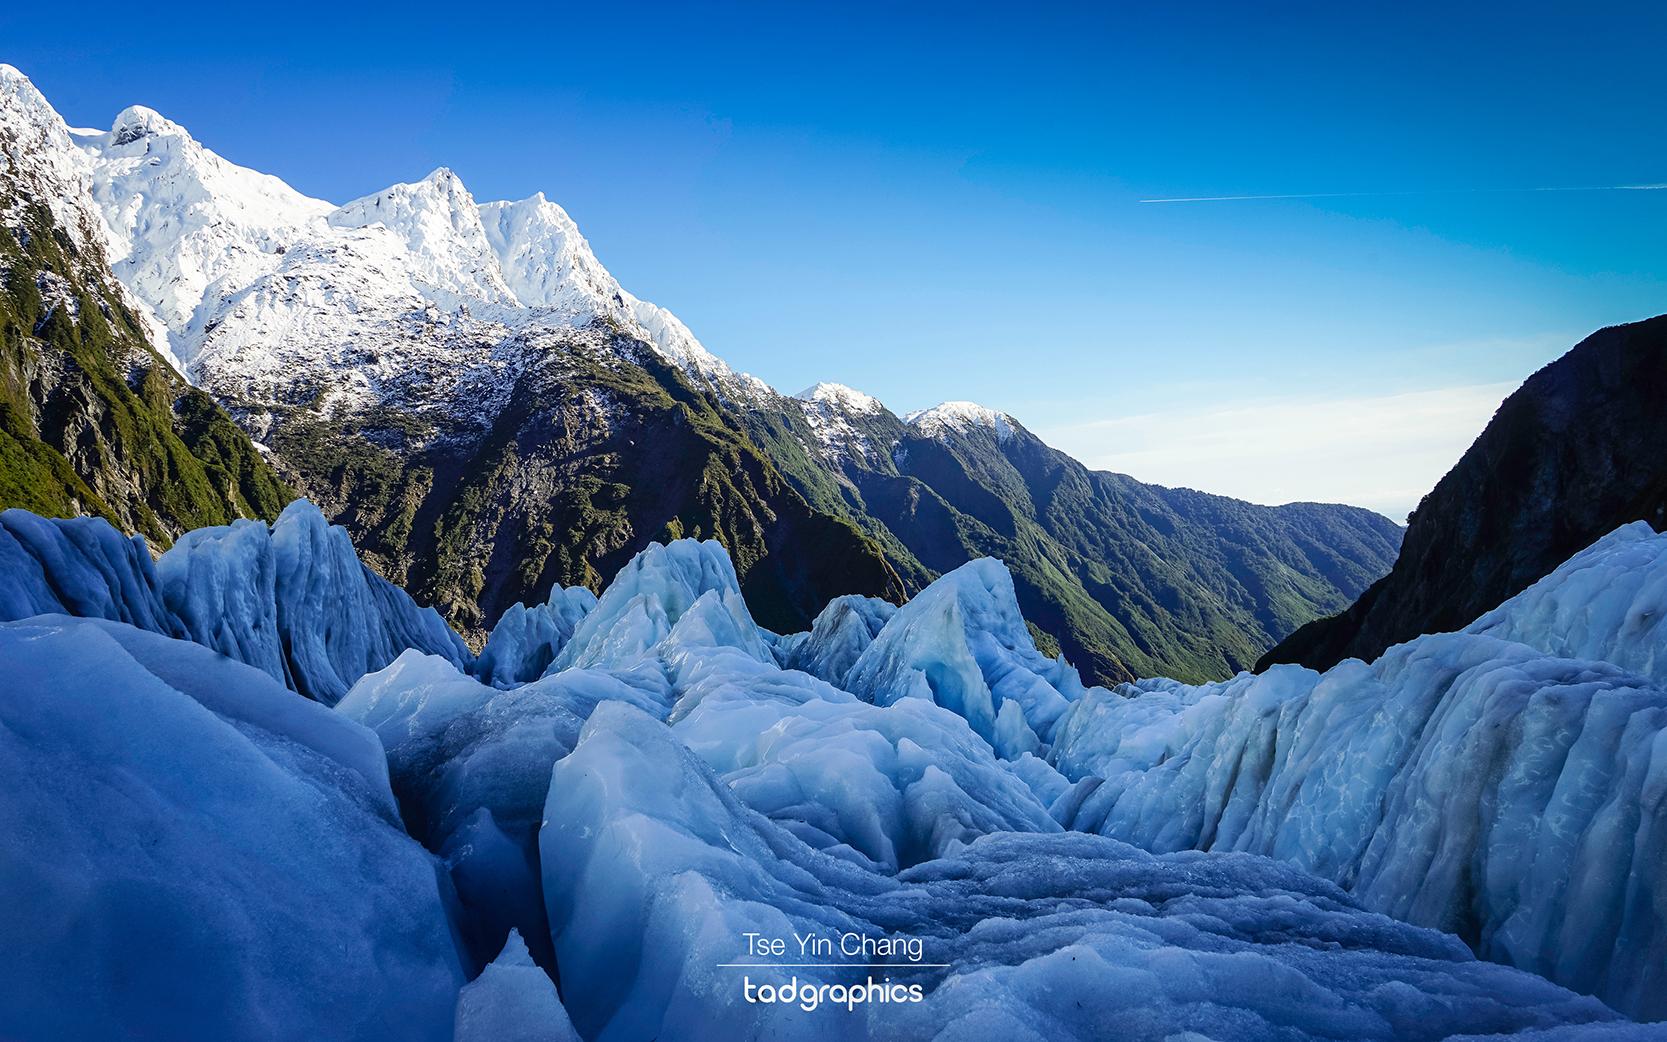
x=839, y=396
x=949, y=418
x=463, y=382
x=249, y=285
x=226, y=261
x=46, y=166
x=246, y=278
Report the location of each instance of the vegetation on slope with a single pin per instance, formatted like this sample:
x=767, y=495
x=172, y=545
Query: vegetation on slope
x=1129, y=579
x=92, y=420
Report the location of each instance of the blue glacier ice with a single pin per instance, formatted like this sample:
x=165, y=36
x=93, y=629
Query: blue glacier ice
x=78, y=566
x=837, y=637
x=512, y=1001
x=647, y=598
x=1478, y=785
x=296, y=600
x=571, y=835
x=1604, y=603
x=526, y=640
x=655, y=870
x=193, y=852
x=471, y=766
x=963, y=644
x=292, y=600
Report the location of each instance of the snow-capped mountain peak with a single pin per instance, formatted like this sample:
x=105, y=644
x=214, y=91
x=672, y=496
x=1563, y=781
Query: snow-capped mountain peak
x=243, y=278
x=836, y=414
x=139, y=121
x=439, y=224
x=544, y=259
x=180, y=221
x=42, y=164
x=841, y=397
x=949, y=418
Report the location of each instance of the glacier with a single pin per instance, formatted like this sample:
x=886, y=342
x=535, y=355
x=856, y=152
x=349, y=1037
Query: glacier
x=837, y=637
x=291, y=599
x=1487, y=787
x=526, y=640
x=512, y=1001
x=78, y=566
x=470, y=765
x=193, y=852
x=1605, y=603
x=962, y=644
x=570, y=835
x=654, y=870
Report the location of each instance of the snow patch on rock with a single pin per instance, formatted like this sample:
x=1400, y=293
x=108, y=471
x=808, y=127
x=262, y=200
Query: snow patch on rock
x=950, y=418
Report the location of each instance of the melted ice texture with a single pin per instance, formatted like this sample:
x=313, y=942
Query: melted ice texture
x=625, y=785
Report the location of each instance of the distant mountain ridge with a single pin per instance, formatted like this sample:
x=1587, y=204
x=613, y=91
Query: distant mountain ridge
x=467, y=390
x=1129, y=579
x=1579, y=450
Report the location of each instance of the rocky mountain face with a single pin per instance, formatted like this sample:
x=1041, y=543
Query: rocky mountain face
x=466, y=389
x=92, y=418
x=1578, y=450
x=463, y=386
x=1130, y=579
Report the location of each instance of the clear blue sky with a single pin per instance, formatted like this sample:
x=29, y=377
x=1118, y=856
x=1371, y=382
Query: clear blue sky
x=946, y=203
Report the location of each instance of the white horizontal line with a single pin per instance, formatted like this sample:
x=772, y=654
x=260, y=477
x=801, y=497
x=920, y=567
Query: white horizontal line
x=1422, y=191
x=833, y=965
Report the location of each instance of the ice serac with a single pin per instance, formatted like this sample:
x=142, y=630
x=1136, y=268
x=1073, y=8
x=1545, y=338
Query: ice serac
x=648, y=597
x=839, y=635
x=1461, y=781
x=79, y=566
x=527, y=639
x=654, y=871
x=296, y=601
x=885, y=788
x=208, y=856
x=292, y=600
x=471, y=767
x=962, y=643
x=512, y=1001
x=1606, y=602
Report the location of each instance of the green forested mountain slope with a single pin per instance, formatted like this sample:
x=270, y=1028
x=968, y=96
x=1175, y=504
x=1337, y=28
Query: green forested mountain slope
x=1130, y=579
x=92, y=419
x=601, y=448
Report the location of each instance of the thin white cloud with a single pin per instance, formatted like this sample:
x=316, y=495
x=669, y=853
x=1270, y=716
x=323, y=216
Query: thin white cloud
x=1377, y=195
x=1383, y=452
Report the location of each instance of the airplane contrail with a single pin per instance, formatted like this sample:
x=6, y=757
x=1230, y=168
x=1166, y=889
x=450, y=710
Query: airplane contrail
x=1427, y=191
